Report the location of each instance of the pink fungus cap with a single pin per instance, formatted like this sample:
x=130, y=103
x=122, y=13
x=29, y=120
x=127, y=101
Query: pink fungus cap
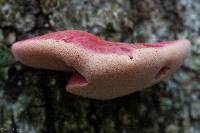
x=102, y=69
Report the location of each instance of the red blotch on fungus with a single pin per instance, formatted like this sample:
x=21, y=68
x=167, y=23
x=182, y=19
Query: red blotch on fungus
x=77, y=78
x=91, y=42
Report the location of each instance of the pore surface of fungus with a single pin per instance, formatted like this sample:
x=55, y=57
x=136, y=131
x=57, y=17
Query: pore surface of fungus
x=102, y=69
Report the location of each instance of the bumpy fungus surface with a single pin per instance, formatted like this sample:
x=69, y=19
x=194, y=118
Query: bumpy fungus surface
x=102, y=69
x=91, y=42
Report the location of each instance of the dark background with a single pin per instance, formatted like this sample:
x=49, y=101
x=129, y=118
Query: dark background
x=35, y=101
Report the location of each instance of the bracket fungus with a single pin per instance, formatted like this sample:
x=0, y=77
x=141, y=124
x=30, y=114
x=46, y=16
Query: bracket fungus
x=102, y=69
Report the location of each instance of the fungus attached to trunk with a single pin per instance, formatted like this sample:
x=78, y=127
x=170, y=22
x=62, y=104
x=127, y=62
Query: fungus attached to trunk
x=102, y=69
